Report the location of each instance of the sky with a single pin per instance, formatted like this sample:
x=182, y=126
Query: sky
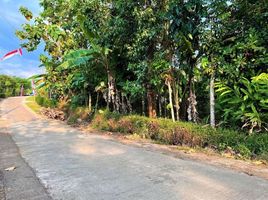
x=10, y=20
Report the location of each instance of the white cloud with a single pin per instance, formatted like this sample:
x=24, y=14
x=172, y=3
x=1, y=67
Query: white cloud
x=10, y=20
x=9, y=11
x=20, y=67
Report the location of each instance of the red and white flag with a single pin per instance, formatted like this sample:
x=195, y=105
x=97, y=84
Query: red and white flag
x=12, y=53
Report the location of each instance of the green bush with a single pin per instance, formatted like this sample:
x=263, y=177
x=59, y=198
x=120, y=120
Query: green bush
x=39, y=100
x=183, y=133
x=75, y=113
x=245, y=103
x=45, y=102
x=110, y=115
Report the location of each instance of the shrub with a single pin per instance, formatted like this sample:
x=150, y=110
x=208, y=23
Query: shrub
x=82, y=113
x=154, y=130
x=125, y=126
x=48, y=103
x=263, y=156
x=39, y=100
x=243, y=150
x=100, y=122
x=162, y=130
x=245, y=103
x=110, y=115
x=45, y=102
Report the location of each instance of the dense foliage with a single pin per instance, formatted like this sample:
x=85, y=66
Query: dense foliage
x=166, y=56
x=11, y=86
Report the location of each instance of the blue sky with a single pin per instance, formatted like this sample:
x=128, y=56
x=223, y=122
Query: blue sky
x=10, y=20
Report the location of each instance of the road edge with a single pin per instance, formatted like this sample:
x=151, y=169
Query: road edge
x=13, y=152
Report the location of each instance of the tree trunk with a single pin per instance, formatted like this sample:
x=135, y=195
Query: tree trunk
x=21, y=91
x=117, y=101
x=177, y=101
x=97, y=102
x=192, y=111
x=170, y=100
x=151, y=102
x=165, y=107
x=160, y=105
x=50, y=94
x=129, y=105
x=106, y=98
x=212, y=100
x=123, y=104
x=89, y=102
x=111, y=90
x=143, y=105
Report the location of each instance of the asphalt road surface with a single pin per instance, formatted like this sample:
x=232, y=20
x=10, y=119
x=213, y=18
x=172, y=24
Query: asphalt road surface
x=62, y=163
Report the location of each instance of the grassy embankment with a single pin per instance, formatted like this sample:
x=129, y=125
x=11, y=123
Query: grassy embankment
x=31, y=103
x=238, y=144
x=184, y=134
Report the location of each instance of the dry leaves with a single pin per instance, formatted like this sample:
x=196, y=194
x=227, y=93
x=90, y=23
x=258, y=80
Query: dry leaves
x=53, y=113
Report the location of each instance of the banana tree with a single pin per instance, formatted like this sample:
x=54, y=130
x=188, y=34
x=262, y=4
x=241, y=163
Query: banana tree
x=95, y=56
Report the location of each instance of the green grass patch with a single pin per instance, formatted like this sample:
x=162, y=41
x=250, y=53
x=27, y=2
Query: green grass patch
x=187, y=134
x=30, y=102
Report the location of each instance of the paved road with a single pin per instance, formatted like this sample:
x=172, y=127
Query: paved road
x=21, y=183
x=74, y=166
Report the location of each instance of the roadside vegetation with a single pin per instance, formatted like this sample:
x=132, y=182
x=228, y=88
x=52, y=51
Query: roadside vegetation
x=191, y=73
x=32, y=104
x=231, y=142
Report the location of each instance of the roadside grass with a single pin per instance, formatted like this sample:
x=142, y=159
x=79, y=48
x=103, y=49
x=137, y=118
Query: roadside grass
x=31, y=103
x=227, y=142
